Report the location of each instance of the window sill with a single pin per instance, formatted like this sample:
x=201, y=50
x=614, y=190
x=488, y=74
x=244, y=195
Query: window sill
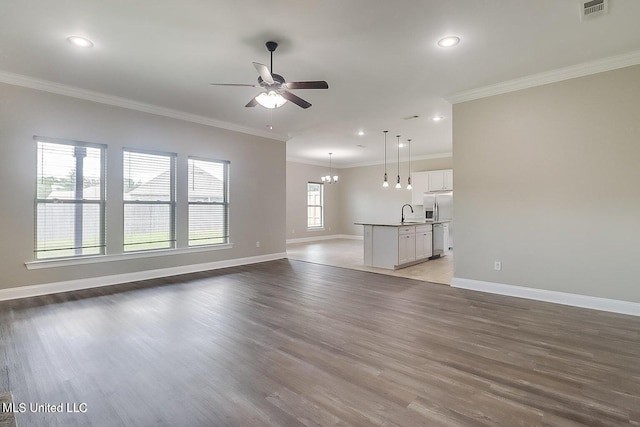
x=64, y=262
x=315, y=228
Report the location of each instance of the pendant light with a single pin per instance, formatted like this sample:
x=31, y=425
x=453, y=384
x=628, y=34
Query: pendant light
x=385, y=184
x=409, y=187
x=398, y=168
x=330, y=179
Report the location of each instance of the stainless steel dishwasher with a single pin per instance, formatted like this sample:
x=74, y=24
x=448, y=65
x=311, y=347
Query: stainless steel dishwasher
x=440, y=239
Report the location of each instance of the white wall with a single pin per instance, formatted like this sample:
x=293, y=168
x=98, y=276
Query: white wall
x=257, y=180
x=298, y=175
x=363, y=199
x=547, y=180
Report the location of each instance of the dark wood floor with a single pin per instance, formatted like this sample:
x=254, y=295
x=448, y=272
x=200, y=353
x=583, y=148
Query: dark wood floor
x=292, y=343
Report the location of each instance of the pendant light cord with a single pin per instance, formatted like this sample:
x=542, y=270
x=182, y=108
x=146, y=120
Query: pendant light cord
x=385, y=152
x=409, y=142
x=398, y=156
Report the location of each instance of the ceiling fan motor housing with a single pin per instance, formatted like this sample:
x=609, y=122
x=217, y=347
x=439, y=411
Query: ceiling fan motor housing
x=277, y=78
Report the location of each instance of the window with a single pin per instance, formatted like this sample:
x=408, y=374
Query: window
x=208, y=202
x=315, y=205
x=149, y=200
x=70, y=199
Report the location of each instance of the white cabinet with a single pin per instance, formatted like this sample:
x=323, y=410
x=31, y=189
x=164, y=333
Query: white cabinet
x=420, y=185
x=448, y=179
x=391, y=246
x=424, y=182
x=406, y=245
x=368, y=245
x=441, y=180
x=424, y=242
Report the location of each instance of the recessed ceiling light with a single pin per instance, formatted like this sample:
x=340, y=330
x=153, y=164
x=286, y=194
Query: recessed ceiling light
x=448, y=41
x=437, y=118
x=361, y=132
x=80, y=41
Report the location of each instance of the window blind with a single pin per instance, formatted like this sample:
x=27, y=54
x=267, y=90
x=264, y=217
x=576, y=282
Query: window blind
x=208, y=202
x=149, y=200
x=315, y=205
x=70, y=199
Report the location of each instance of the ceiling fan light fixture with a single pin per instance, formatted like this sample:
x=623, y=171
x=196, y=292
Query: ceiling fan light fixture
x=271, y=99
x=276, y=90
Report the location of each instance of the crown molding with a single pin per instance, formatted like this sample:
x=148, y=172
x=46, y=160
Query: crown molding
x=357, y=165
x=405, y=160
x=560, y=74
x=88, y=95
x=311, y=162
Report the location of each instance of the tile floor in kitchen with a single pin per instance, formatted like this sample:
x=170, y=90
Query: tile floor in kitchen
x=349, y=253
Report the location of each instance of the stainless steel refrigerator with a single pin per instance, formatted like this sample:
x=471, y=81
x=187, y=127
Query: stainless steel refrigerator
x=438, y=207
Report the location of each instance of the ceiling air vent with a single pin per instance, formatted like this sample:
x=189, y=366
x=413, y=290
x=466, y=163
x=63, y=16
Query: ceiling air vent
x=593, y=8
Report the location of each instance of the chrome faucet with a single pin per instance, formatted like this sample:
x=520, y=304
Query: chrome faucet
x=410, y=207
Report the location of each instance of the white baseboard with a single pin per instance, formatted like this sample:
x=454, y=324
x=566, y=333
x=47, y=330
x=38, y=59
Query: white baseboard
x=326, y=237
x=576, y=300
x=351, y=236
x=96, y=282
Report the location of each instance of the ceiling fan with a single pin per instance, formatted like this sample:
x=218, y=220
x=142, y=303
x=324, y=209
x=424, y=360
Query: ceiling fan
x=276, y=89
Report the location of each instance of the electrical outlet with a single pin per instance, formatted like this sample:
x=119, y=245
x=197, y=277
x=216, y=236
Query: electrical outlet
x=293, y=231
x=497, y=265
x=258, y=244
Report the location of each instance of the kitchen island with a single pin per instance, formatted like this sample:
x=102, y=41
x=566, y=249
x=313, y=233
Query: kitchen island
x=397, y=245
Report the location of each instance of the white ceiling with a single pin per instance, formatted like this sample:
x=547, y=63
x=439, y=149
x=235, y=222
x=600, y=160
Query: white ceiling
x=379, y=57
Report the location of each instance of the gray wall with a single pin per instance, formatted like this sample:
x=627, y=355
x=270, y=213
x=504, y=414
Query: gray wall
x=362, y=197
x=547, y=180
x=257, y=180
x=298, y=175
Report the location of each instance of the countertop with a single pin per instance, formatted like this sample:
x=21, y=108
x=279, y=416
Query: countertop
x=400, y=224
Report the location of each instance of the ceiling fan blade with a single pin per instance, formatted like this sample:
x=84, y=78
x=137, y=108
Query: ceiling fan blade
x=307, y=85
x=264, y=72
x=252, y=103
x=295, y=99
x=233, y=84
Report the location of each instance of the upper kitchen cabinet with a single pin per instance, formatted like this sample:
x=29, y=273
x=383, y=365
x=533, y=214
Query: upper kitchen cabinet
x=441, y=180
x=420, y=185
x=430, y=181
